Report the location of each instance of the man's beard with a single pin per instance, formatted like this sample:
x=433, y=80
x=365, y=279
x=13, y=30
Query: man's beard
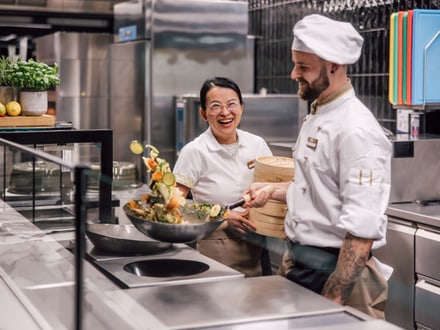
x=311, y=91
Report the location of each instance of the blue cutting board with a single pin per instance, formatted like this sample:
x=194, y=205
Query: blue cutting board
x=425, y=84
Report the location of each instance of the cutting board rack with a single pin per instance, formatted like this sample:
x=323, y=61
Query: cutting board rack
x=414, y=71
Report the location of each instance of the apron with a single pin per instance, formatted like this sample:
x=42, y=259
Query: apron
x=232, y=251
x=310, y=267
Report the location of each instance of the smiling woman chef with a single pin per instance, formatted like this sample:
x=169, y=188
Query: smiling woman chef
x=337, y=202
x=214, y=168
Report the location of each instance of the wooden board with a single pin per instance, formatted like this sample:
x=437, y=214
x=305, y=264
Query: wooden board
x=27, y=121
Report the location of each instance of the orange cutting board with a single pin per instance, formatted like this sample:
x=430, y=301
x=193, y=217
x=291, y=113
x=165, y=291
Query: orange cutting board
x=27, y=121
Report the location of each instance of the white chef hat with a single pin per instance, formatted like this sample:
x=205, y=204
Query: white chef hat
x=334, y=41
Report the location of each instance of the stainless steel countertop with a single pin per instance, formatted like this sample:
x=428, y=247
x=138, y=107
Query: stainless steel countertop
x=37, y=291
x=421, y=214
x=269, y=302
x=232, y=301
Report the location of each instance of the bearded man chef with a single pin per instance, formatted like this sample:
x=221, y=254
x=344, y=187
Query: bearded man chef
x=337, y=200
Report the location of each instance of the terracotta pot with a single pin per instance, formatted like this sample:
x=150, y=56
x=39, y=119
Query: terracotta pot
x=33, y=103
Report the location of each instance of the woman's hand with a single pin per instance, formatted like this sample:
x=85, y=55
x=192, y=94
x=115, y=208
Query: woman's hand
x=239, y=222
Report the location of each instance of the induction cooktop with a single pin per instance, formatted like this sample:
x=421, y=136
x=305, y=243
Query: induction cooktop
x=180, y=264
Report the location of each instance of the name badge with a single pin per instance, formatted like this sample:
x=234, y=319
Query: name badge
x=312, y=143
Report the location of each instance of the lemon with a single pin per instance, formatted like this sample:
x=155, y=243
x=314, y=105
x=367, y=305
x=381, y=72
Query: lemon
x=136, y=147
x=2, y=110
x=13, y=108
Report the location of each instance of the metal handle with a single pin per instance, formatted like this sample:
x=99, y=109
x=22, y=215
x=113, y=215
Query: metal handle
x=246, y=197
x=237, y=203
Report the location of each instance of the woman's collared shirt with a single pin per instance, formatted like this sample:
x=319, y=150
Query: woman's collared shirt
x=213, y=174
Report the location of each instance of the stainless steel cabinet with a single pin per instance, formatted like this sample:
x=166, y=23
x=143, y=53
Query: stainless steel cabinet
x=413, y=247
x=427, y=290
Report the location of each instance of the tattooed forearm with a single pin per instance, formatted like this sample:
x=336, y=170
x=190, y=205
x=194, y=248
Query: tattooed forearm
x=352, y=259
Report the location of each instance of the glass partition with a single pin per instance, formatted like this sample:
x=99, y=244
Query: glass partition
x=40, y=185
x=41, y=191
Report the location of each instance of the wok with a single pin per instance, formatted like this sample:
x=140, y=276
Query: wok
x=123, y=239
x=180, y=233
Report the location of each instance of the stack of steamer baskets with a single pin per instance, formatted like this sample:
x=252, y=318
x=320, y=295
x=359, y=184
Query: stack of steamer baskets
x=269, y=219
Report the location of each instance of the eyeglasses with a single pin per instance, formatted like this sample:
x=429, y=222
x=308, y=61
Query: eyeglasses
x=216, y=108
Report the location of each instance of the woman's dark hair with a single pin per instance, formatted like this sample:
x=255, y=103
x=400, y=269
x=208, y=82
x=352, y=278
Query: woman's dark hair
x=218, y=82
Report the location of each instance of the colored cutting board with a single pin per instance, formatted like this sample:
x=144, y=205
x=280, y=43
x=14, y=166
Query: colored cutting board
x=390, y=61
x=392, y=92
x=425, y=76
x=408, y=100
x=404, y=55
x=399, y=81
x=432, y=79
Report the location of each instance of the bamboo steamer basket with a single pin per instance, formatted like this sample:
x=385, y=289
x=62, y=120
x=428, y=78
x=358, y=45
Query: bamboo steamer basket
x=273, y=169
x=269, y=219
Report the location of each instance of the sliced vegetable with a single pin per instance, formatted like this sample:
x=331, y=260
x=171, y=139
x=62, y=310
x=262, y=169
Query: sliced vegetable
x=133, y=204
x=154, y=151
x=151, y=164
x=157, y=176
x=226, y=214
x=173, y=203
x=136, y=147
x=163, y=202
x=168, y=179
x=215, y=210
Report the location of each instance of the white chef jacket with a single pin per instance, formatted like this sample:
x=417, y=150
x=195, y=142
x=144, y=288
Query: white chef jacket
x=342, y=176
x=213, y=174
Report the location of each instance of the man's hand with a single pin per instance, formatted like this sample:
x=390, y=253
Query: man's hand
x=261, y=192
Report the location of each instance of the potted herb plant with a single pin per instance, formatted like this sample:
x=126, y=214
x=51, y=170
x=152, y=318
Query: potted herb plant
x=33, y=78
x=7, y=92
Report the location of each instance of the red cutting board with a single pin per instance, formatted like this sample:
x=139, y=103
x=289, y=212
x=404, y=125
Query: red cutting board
x=400, y=57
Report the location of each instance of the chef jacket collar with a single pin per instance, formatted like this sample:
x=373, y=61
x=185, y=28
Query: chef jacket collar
x=332, y=97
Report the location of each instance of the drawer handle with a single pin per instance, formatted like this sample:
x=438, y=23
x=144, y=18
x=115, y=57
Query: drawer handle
x=424, y=285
